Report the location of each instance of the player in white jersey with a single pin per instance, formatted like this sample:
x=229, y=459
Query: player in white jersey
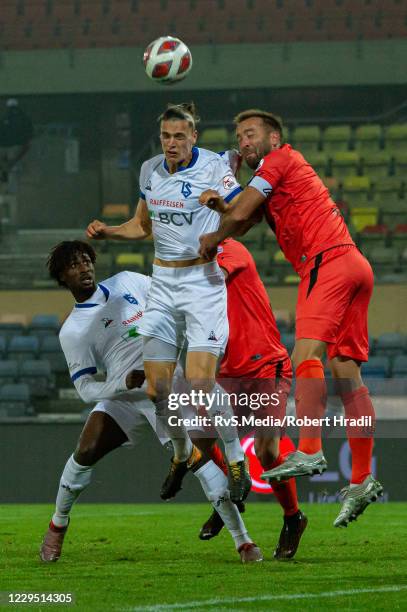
x=188, y=294
x=102, y=333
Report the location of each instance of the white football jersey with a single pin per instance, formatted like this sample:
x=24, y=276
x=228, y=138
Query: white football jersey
x=178, y=220
x=101, y=334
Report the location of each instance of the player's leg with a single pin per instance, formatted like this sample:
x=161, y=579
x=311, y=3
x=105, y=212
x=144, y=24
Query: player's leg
x=215, y=486
x=275, y=380
x=345, y=357
x=324, y=296
x=200, y=373
x=100, y=436
x=159, y=365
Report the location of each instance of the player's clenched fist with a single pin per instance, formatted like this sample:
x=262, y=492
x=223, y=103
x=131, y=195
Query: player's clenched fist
x=213, y=200
x=96, y=230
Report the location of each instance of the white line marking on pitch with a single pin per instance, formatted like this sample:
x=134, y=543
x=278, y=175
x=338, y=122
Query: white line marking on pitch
x=217, y=602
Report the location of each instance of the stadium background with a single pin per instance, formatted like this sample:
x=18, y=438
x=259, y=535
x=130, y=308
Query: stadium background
x=334, y=70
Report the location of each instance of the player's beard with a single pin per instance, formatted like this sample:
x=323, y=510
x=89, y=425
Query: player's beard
x=257, y=154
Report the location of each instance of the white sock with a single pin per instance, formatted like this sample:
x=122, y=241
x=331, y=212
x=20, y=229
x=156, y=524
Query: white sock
x=75, y=478
x=228, y=433
x=176, y=432
x=215, y=486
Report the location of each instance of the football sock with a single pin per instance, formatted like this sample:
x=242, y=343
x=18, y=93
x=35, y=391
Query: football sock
x=358, y=404
x=217, y=457
x=215, y=486
x=285, y=491
x=310, y=401
x=176, y=432
x=75, y=478
x=228, y=433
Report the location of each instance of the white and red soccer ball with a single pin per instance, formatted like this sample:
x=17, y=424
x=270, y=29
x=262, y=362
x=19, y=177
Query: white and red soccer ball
x=167, y=60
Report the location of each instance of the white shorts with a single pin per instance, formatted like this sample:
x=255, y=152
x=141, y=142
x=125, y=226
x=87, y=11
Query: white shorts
x=188, y=303
x=130, y=416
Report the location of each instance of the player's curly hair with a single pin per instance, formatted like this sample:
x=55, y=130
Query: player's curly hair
x=271, y=120
x=62, y=254
x=186, y=111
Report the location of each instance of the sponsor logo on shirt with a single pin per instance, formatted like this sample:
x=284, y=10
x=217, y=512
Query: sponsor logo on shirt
x=107, y=321
x=130, y=298
x=167, y=203
x=260, y=164
x=177, y=219
x=229, y=181
x=135, y=317
x=186, y=189
x=148, y=186
x=130, y=333
x=212, y=336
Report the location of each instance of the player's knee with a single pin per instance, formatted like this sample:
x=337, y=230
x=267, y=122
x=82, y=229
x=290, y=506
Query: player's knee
x=201, y=383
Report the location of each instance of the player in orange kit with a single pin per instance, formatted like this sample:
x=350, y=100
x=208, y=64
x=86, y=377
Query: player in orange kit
x=257, y=362
x=333, y=297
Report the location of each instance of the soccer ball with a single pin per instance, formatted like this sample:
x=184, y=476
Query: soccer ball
x=167, y=60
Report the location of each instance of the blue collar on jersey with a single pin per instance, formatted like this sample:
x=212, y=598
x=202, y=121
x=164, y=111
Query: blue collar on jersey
x=106, y=293
x=194, y=159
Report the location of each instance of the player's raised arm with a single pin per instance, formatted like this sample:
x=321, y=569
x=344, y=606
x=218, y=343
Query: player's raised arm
x=237, y=217
x=137, y=228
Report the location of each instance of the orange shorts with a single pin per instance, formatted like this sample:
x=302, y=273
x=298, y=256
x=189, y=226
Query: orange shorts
x=273, y=378
x=333, y=301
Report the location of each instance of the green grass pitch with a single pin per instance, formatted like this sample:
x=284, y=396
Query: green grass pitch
x=148, y=557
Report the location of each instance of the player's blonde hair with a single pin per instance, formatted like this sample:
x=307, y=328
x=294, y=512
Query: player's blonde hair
x=272, y=121
x=186, y=111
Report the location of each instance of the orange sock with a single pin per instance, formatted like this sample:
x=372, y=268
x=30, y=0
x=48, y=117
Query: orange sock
x=285, y=491
x=310, y=400
x=217, y=457
x=358, y=404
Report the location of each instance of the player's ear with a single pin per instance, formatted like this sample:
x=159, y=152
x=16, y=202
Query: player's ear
x=275, y=139
x=195, y=136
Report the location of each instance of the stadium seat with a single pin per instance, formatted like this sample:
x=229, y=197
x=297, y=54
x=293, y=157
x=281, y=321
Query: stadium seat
x=376, y=164
x=400, y=164
x=344, y=164
x=23, y=347
x=15, y=400
x=391, y=186
x=368, y=137
x=373, y=236
x=307, y=139
x=318, y=160
x=396, y=136
x=215, y=139
x=395, y=213
x=356, y=190
x=104, y=265
x=391, y=344
x=332, y=183
x=8, y=372
x=44, y=324
x=129, y=261
x=8, y=330
x=384, y=259
x=50, y=350
x=361, y=217
x=262, y=259
x=376, y=367
x=336, y=138
x=115, y=214
x=400, y=366
x=3, y=346
x=37, y=375
x=399, y=238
